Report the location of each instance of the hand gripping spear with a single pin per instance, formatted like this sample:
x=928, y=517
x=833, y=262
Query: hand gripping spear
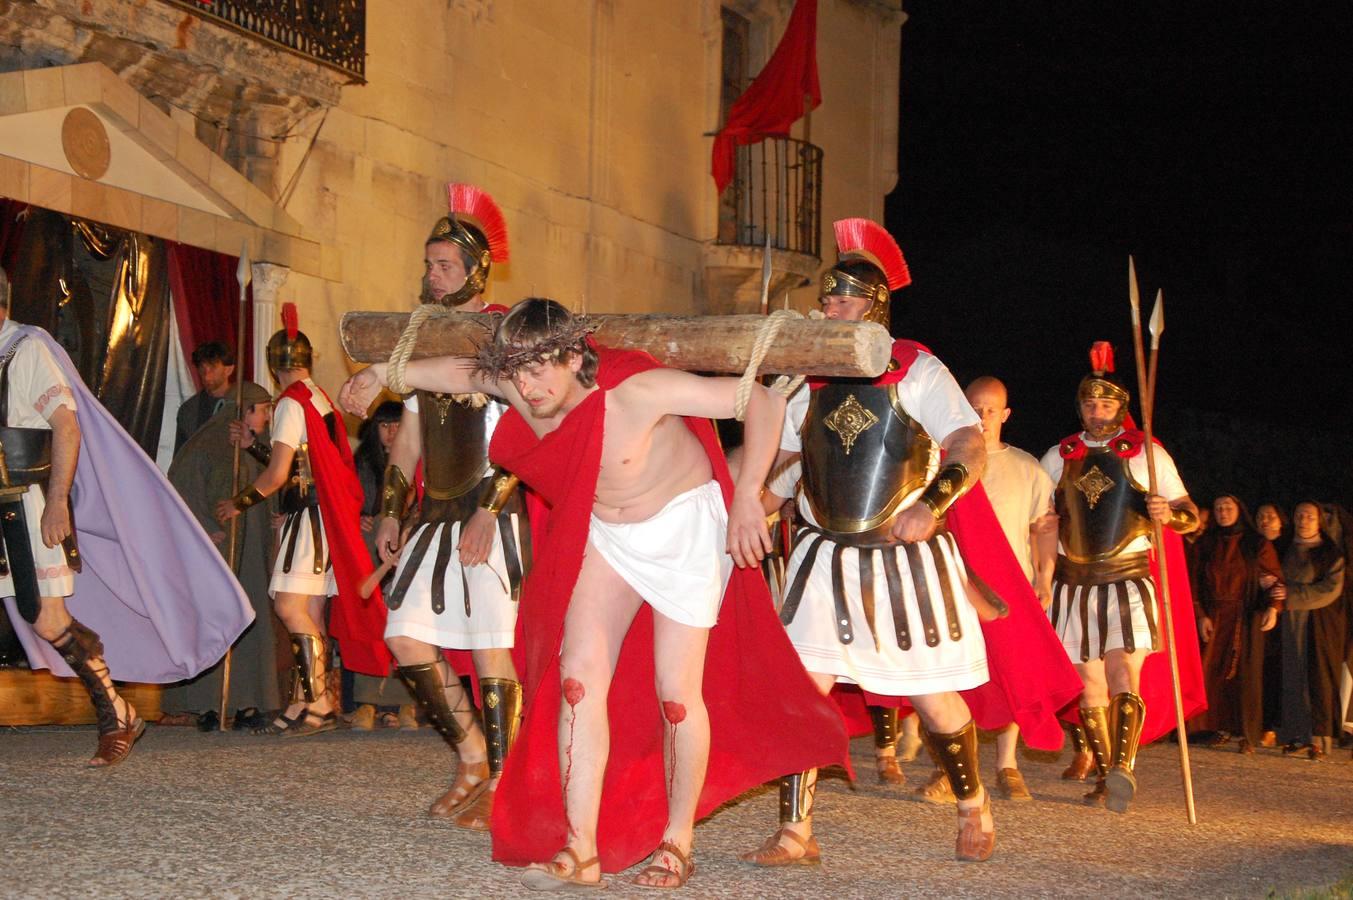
x=1146, y=386
x=243, y=274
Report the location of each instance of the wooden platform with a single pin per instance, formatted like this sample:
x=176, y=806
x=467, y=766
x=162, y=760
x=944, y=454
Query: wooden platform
x=40, y=698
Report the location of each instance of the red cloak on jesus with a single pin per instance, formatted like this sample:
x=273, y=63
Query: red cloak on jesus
x=766, y=716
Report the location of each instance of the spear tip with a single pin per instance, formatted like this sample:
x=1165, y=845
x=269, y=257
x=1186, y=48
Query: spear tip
x=1133, y=294
x=244, y=271
x=1157, y=323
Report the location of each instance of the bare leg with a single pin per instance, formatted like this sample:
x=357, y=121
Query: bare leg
x=791, y=840
x=1007, y=741
x=298, y=613
x=679, y=664
x=52, y=623
x=599, y=615
x=909, y=744
x=411, y=652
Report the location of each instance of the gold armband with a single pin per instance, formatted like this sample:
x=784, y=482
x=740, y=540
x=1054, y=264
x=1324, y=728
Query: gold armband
x=1182, y=519
x=950, y=483
x=394, y=493
x=247, y=498
x=498, y=491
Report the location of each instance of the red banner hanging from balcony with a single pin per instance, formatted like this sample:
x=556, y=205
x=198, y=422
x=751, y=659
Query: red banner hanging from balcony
x=786, y=89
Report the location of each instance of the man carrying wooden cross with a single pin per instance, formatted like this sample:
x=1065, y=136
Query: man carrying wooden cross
x=634, y=585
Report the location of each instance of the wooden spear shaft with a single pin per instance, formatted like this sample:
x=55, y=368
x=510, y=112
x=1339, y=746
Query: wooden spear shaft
x=243, y=274
x=1146, y=385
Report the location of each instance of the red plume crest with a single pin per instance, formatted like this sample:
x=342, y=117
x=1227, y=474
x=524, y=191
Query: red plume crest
x=291, y=320
x=1101, y=357
x=468, y=200
x=855, y=235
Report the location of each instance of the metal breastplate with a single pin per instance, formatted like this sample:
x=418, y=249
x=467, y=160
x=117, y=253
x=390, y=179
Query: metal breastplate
x=1100, y=506
x=299, y=492
x=455, y=445
x=862, y=455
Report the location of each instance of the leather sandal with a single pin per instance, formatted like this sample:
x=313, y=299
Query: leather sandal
x=1097, y=795
x=1121, y=787
x=463, y=791
x=1010, y=785
x=476, y=814
x=685, y=868
x=280, y=724
x=554, y=876
x=773, y=854
x=115, y=745
x=312, y=723
x=889, y=771
x=937, y=790
x=974, y=844
x=1082, y=764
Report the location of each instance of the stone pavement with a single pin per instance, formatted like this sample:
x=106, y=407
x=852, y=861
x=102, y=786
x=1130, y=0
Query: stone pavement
x=341, y=815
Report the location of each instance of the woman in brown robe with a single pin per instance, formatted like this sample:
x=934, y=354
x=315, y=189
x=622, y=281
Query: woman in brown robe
x=1314, y=632
x=1238, y=592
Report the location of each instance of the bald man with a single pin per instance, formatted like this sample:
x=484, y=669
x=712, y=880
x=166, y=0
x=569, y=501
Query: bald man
x=1021, y=494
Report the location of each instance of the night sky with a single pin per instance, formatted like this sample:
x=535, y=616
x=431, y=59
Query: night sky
x=1042, y=142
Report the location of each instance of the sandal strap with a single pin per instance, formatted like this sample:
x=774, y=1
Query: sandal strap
x=674, y=850
x=785, y=832
x=578, y=864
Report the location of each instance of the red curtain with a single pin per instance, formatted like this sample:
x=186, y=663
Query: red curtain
x=206, y=303
x=786, y=89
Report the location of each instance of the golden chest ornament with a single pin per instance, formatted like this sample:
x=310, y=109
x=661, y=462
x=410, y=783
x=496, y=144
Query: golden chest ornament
x=1094, y=484
x=849, y=421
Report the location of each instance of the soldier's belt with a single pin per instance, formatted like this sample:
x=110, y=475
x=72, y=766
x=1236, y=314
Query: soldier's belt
x=28, y=454
x=1123, y=567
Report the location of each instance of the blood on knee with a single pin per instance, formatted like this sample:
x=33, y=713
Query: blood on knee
x=573, y=691
x=673, y=712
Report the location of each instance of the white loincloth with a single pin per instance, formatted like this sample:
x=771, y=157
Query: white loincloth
x=677, y=560
x=492, y=621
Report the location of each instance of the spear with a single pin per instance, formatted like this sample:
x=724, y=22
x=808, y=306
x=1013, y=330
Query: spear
x=1146, y=385
x=765, y=277
x=243, y=274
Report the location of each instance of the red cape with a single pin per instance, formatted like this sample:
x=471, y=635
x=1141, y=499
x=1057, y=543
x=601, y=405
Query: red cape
x=358, y=625
x=766, y=716
x=1032, y=679
x=1157, y=688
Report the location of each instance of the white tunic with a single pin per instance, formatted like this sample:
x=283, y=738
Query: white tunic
x=297, y=535
x=1020, y=493
x=492, y=619
x=37, y=388
x=932, y=663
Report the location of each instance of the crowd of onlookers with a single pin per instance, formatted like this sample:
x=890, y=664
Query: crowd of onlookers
x=1274, y=615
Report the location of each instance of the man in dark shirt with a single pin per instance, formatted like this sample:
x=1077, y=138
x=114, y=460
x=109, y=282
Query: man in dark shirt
x=215, y=365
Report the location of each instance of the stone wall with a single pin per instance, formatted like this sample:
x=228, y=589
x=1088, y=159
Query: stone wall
x=585, y=120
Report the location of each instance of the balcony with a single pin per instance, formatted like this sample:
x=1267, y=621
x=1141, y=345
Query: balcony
x=776, y=196
x=331, y=32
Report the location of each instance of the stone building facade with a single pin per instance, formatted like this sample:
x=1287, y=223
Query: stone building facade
x=589, y=121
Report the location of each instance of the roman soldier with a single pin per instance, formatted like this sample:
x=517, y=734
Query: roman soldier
x=1105, y=596
x=878, y=589
x=320, y=553
x=167, y=608
x=462, y=567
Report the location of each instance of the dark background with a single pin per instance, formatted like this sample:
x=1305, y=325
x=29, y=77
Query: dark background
x=1042, y=142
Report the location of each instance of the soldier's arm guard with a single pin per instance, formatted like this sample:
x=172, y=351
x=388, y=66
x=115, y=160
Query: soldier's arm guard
x=247, y=498
x=498, y=491
x=950, y=483
x=394, y=493
x=1182, y=519
x=260, y=451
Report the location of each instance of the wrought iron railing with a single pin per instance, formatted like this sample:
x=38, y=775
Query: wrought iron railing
x=332, y=32
x=776, y=191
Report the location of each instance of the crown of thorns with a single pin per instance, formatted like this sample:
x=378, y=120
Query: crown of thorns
x=498, y=361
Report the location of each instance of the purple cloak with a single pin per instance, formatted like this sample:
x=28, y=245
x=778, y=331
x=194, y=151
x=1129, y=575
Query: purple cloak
x=153, y=586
